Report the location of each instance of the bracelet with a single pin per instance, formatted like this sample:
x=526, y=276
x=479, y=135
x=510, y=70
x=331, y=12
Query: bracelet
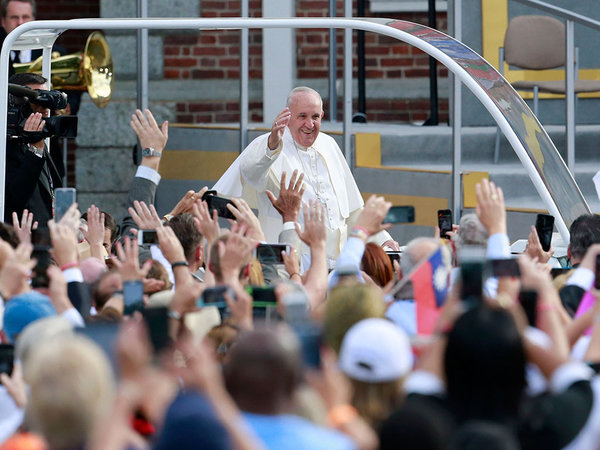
x=69, y=266
x=167, y=217
x=180, y=263
x=295, y=273
x=360, y=233
x=340, y=415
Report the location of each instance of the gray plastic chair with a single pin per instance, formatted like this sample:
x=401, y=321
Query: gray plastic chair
x=538, y=43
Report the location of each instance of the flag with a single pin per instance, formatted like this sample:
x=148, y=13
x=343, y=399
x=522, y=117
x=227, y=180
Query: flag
x=430, y=287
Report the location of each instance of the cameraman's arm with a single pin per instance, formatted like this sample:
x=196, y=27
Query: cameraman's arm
x=23, y=168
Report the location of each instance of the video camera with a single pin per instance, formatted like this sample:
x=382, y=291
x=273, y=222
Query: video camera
x=19, y=109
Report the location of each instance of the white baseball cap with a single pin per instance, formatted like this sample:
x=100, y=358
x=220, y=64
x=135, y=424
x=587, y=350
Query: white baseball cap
x=375, y=350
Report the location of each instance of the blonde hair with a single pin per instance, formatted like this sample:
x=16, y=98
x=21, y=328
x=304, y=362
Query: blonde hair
x=376, y=401
x=347, y=305
x=71, y=389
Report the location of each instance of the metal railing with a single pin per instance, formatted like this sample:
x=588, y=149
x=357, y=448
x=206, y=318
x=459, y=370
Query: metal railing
x=570, y=19
x=454, y=55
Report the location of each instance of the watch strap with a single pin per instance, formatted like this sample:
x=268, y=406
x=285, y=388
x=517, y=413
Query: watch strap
x=149, y=151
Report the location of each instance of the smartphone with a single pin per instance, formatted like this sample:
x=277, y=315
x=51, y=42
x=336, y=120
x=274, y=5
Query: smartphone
x=262, y=295
x=528, y=301
x=147, y=237
x=63, y=199
x=157, y=321
x=544, y=225
x=270, y=253
x=505, y=268
x=400, y=214
x=220, y=204
x=394, y=256
x=214, y=296
x=7, y=358
x=311, y=340
x=471, y=273
x=597, y=281
x=133, y=296
x=444, y=222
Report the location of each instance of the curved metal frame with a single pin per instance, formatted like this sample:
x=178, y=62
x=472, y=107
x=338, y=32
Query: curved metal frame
x=432, y=42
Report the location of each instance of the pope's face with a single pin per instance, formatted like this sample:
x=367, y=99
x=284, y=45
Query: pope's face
x=17, y=13
x=305, y=123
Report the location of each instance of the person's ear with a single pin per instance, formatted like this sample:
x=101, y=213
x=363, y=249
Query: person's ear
x=246, y=271
x=199, y=253
x=569, y=252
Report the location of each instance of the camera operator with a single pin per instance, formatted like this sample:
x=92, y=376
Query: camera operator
x=31, y=175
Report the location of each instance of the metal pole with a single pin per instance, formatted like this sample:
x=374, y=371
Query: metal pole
x=142, y=58
x=433, y=82
x=570, y=94
x=244, y=101
x=348, y=87
x=456, y=118
x=361, y=115
x=332, y=65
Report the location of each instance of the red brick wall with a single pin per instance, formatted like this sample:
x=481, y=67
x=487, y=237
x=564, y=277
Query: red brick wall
x=215, y=55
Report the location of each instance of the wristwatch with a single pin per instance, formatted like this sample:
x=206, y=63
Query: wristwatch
x=39, y=152
x=149, y=151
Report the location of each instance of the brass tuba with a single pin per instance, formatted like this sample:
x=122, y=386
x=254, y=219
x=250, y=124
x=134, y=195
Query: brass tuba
x=90, y=70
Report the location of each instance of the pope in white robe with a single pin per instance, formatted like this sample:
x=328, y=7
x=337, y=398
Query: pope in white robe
x=295, y=143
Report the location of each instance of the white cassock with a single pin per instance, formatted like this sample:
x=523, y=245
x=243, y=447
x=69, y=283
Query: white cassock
x=327, y=178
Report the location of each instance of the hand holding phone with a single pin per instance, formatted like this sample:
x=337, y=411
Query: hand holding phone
x=444, y=222
x=133, y=296
x=271, y=253
x=544, y=225
x=219, y=204
x=400, y=214
x=147, y=237
x=63, y=199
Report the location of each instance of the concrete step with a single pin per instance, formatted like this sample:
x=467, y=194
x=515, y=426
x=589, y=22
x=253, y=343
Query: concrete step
x=404, y=144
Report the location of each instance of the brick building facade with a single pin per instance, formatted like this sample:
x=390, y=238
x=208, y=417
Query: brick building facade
x=215, y=54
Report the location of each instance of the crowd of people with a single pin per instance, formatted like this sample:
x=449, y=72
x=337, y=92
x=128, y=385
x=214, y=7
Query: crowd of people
x=190, y=341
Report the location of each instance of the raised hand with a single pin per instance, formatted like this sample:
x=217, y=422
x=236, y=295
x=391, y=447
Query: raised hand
x=315, y=232
x=373, y=214
x=207, y=225
x=127, y=261
x=490, y=207
x=534, y=247
x=146, y=218
x=244, y=215
x=290, y=197
x=278, y=128
x=25, y=227
x=148, y=132
x=187, y=202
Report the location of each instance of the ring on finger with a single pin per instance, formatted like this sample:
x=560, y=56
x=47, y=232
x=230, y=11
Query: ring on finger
x=275, y=123
x=494, y=197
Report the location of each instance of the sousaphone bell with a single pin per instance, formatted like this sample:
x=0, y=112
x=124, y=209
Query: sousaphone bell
x=90, y=70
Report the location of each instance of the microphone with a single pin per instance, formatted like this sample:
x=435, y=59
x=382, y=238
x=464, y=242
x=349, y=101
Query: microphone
x=22, y=91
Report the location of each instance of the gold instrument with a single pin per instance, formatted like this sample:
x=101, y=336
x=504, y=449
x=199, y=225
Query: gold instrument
x=90, y=70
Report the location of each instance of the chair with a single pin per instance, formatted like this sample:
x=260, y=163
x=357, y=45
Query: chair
x=538, y=43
